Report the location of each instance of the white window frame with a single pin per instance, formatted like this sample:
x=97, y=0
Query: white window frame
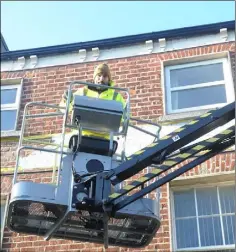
x=206, y=248
x=12, y=106
x=227, y=82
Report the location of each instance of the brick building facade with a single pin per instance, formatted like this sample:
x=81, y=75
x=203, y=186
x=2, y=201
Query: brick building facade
x=148, y=65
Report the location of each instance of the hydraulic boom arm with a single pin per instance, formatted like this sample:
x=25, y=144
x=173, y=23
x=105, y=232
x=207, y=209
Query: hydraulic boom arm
x=165, y=146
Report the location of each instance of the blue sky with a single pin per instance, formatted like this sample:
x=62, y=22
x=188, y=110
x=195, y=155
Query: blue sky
x=31, y=24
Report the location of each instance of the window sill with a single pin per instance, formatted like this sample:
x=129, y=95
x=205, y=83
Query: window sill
x=10, y=133
x=203, y=180
x=182, y=116
x=223, y=248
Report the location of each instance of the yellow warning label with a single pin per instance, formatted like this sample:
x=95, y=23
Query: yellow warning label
x=198, y=147
x=179, y=130
x=165, y=137
x=193, y=122
x=205, y=115
x=138, y=152
x=170, y=162
x=128, y=187
x=212, y=140
x=114, y=195
x=225, y=132
x=184, y=155
x=155, y=171
x=142, y=179
x=152, y=145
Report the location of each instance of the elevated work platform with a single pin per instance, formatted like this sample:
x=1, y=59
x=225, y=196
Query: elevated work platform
x=89, y=202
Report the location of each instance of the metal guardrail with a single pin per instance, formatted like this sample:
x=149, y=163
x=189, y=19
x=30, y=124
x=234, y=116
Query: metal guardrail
x=65, y=113
x=60, y=147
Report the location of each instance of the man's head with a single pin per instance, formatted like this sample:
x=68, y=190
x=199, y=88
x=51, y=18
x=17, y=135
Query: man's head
x=102, y=74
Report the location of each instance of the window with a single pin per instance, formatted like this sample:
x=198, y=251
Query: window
x=204, y=218
x=10, y=101
x=199, y=85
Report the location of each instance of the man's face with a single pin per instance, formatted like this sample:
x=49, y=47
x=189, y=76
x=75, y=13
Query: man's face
x=101, y=79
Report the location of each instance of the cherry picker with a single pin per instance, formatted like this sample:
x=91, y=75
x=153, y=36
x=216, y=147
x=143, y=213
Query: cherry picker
x=89, y=201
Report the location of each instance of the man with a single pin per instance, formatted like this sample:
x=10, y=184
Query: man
x=102, y=75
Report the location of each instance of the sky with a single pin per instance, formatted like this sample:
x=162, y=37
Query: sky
x=33, y=24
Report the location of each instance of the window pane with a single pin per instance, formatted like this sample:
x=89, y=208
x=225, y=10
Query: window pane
x=184, y=204
x=207, y=201
x=196, y=75
x=227, y=199
x=229, y=228
x=198, y=97
x=8, y=119
x=8, y=96
x=210, y=231
x=186, y=233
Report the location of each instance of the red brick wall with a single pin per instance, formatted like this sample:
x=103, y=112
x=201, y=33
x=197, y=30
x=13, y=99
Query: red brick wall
x=8, y=153
x=142, y=75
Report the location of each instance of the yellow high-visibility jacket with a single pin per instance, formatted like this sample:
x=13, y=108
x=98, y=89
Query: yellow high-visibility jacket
x=109, y=94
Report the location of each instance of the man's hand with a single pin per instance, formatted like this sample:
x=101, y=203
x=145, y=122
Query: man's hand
x=65, y=96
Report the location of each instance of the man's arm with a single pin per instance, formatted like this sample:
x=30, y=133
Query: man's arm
x=120, y=98
x=63, y=101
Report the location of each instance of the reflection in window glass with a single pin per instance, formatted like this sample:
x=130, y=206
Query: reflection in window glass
x=184, y=204
x=229, y=229
x=198, y=97
x=186, y=230
x=227, y=198
x=196, y=75
x=210, y=231
x=8, y=120
x=8, y=96
x=207, y=201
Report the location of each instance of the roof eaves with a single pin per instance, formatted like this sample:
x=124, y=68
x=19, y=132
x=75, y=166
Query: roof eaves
x=120, y=41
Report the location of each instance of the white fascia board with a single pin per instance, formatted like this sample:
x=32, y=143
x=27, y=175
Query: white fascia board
x=117, y=52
